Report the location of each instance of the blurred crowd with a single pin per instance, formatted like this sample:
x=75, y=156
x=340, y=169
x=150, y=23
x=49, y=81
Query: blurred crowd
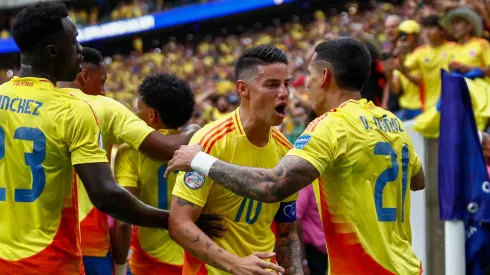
x=408, y=43
x=92, y=15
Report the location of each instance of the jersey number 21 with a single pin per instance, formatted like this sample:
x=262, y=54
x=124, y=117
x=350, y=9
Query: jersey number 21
x=390, y=175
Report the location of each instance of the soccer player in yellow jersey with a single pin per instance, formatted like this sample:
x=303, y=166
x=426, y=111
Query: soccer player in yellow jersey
x=118, y=125
x=400, y=83
x=165, y=103
x=245, y=137
x=472, y=56
x=430, y=59
x=364, y=161
x=44, y=134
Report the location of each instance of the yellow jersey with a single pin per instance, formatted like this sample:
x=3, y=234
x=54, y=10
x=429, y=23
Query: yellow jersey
x=366, y=161
x=248, y=222
x=118, y=125
x=474, y=53
x=410, y=98
x=153, y=250
x=430, y=60
x=43, y=132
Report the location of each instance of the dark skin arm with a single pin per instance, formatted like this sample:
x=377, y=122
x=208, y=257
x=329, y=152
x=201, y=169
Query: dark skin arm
x=418, y=181
x=163, y=147
x=116, y=201
x=288, y=248
x=121, y=236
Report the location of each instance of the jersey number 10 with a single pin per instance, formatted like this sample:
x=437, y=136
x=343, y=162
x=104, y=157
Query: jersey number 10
x=390, y=175
x=33, y=160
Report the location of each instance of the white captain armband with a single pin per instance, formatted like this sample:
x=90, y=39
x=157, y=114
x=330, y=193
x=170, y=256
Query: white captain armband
x=286, y=212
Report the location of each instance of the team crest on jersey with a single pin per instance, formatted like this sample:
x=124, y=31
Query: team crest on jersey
x=194, y=180
x=101, y=142
x=427, y=60
x=472, y=53
x=302, y=141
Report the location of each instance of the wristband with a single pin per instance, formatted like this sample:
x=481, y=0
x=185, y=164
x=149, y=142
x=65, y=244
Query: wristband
x=120, y=269
x=480, y=135
x=202, y=163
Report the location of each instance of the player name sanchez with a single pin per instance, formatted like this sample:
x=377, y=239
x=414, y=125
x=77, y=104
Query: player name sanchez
x=384, y=124
x=20, y=105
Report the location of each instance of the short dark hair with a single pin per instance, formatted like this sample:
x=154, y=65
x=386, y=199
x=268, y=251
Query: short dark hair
x=34, y=23
x=350, y=61
x=432, y=21
x=92, y=56
x=259, y=55
x=171, y=96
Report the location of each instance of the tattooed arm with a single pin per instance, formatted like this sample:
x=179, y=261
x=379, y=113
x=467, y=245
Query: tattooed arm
x=288, y=248
x=184, y=231
x=267, y=185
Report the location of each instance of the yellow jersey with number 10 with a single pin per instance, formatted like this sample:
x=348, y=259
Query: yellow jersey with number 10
x=366, y=160
x=43, y=132
x=248, y=222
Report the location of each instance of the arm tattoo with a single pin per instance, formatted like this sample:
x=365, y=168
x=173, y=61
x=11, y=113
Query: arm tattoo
x=288, y=248
x=181, y=202
x=196, y=240
x=208, y=245
x=267, y=185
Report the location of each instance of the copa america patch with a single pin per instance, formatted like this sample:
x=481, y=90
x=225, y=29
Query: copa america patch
x=302, y=141
x=194, y=180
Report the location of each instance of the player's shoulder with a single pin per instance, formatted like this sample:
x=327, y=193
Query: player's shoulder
x=482, y=42
x=420, y=50
x=214, y=132
x=126, y=150
x=281, y=141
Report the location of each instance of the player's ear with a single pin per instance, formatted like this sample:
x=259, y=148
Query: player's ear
x=50, y=50
x=84, y=74
x=327, y=77
x=242, y=88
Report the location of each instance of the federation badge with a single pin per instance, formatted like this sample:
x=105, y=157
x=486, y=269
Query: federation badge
x=194, y=180
x=472, y=53
x=302, y=141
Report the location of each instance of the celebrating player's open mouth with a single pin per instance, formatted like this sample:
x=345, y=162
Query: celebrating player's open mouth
x=281, y=109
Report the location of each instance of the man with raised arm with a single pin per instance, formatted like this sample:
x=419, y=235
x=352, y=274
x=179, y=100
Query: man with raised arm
x=362, y=156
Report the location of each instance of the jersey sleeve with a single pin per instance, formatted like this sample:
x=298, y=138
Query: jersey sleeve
x=414, y=161
x=83, y=135
x=485, y=45
x=194, y=186
x=126, y=167
x=123, y=126
x=316, y=144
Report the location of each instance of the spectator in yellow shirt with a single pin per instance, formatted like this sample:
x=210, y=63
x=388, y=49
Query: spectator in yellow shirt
x=472, y=57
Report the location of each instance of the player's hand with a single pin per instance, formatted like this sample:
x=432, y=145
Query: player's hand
x=255, y=265
x=211, y=225
x=182, y=158
x=402, y=48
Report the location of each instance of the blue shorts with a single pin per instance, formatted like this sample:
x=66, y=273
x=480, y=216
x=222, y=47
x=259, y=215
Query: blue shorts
x=98, y=265
x=407, y=114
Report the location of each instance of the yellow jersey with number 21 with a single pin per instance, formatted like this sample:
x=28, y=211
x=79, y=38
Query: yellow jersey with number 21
x=366, y=160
